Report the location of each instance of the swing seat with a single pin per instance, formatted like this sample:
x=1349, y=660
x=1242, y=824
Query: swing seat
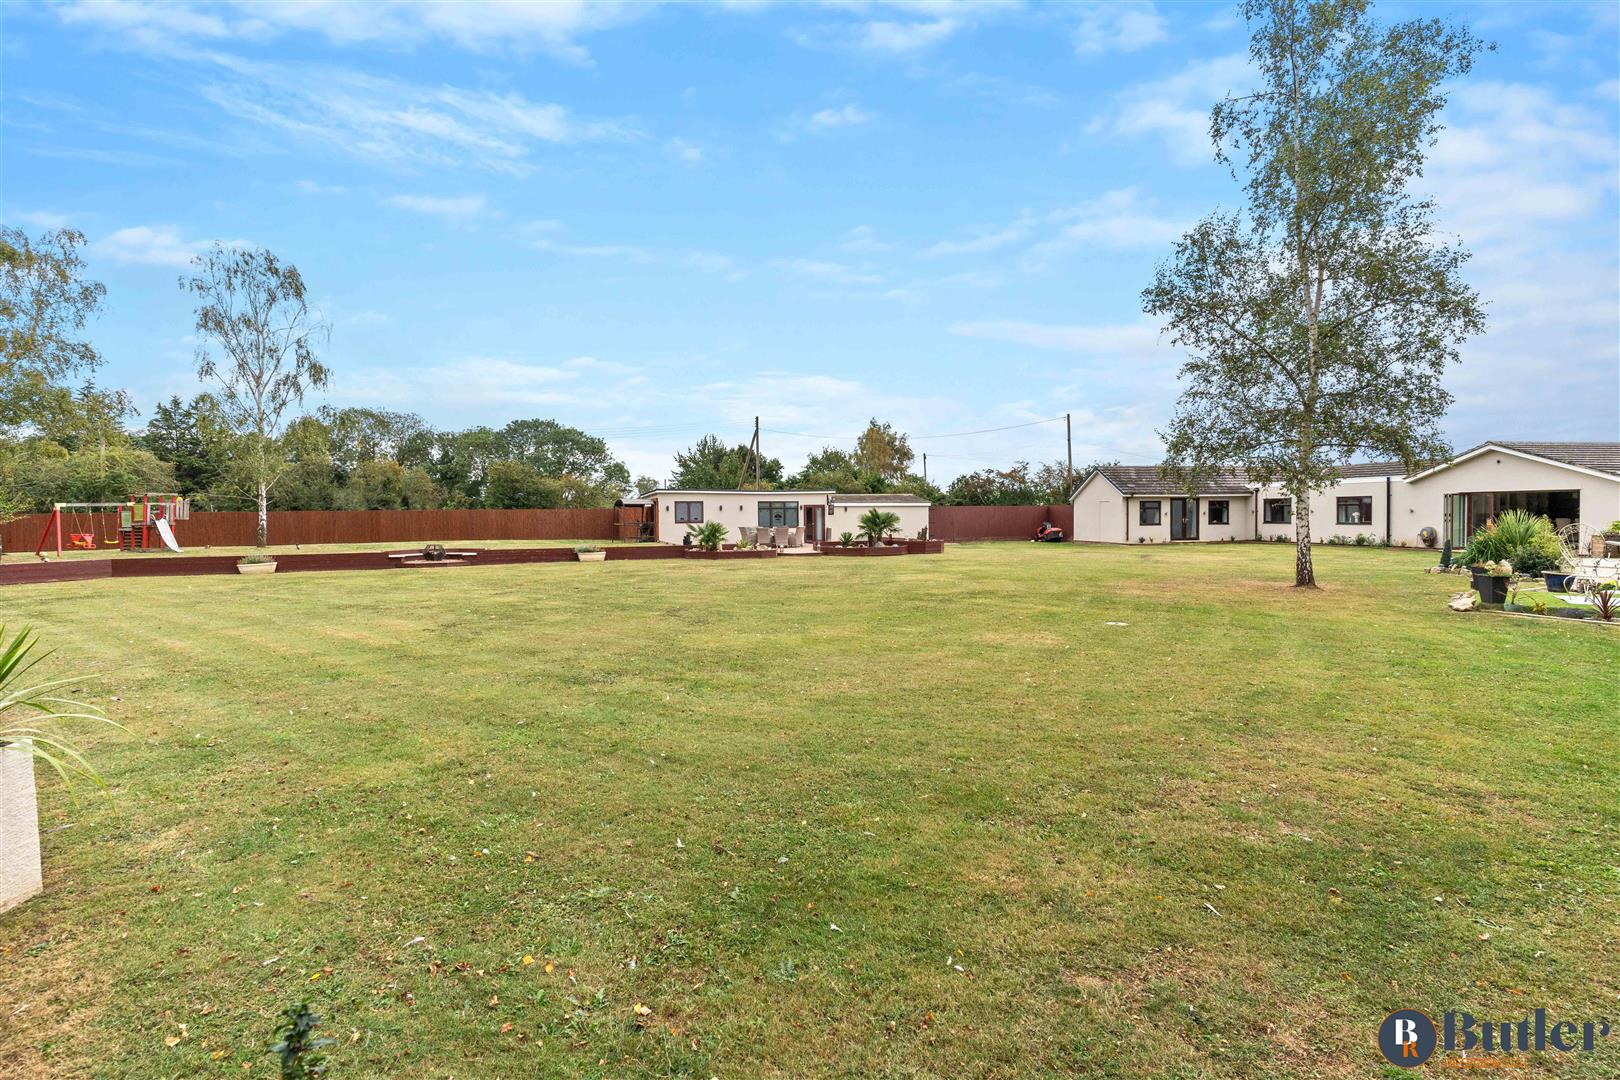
x=87, y=541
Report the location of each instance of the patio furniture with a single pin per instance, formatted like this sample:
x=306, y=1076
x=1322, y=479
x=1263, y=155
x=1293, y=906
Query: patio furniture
x=794, y=538
x=747, y=535
x=779, y=536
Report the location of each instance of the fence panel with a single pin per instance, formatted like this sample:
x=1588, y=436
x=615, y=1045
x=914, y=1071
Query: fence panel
x=233, y=528
x=996, y=522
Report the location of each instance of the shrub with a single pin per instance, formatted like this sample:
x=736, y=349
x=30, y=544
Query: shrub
x=298, y=1047
x=256, y=559
x=708, y=536
x=876, y=524
x=587, y=549
x=1526, y=540
x=847, y=539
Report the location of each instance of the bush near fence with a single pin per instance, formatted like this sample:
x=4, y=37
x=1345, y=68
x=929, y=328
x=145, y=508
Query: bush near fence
x=238, y=528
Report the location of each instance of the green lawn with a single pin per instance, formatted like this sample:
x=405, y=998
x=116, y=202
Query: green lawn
x=922, y=817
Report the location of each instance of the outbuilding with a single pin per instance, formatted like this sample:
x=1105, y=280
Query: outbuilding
x=821, y=515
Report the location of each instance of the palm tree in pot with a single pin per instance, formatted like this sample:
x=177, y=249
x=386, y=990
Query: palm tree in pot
x=708, y=536
x=29, y=713
x=876, y=524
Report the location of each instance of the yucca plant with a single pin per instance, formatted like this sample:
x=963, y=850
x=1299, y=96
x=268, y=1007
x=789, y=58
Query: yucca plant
x=708, y=536
x=876, y=524
x=25, y=705
x=1526, y=540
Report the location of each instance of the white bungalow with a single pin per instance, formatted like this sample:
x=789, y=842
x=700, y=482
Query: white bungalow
x=822, y=515
x=1568, y=482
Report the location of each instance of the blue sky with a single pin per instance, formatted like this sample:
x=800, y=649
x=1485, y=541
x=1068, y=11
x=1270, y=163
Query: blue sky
x=655, y=222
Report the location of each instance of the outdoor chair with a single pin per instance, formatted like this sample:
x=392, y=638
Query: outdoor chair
x=747, y=535
x=780, y=536
x=795, y=537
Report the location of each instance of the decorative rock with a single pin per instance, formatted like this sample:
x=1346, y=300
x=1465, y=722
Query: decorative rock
x=1466, y=601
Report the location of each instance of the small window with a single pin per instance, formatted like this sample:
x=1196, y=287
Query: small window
x=1150, y=512
x=1279, y=511
x=688, y=513
x=1220, y=511
x=1355, y=510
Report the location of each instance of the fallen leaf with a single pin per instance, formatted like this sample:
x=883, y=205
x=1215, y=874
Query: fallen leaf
x=642, y=1010
x=494, y=1000
x=527, y=960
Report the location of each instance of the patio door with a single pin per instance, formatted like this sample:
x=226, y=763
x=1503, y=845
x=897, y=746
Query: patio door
x=1183, y=519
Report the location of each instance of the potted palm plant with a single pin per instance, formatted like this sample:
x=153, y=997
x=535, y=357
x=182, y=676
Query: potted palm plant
x=876, y=524
x=707, y=536
x=29, y=713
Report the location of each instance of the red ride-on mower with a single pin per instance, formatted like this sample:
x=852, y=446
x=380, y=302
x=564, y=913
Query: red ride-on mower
x=1047, y=534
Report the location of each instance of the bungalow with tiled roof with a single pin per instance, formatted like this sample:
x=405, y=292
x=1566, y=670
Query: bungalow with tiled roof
x=1566, y=481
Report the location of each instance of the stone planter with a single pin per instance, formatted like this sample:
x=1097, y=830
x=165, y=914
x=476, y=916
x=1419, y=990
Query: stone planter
x=256, y=567
x=19, y=829
x=591, y=556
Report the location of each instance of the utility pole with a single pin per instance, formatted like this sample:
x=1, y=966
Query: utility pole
x=925, y=467
x=1068, y=435
x=756, y=453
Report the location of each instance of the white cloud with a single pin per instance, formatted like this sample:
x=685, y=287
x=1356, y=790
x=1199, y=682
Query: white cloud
x=1116, y=220
x=1526, y=181
x=459, y=208
x=863, y=239
x=827, y=272
x=899, y=27
x=314, y=187
x=389, y=121
x=40, y=219
x=543, y=236
x=684, y=151
x=1176, y=108
x=841, y=117
x=478, y=25
x=1120, y=341
x=1117, y=27
x=148, y=245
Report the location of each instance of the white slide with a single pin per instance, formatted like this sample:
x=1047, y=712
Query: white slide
x=168, y=535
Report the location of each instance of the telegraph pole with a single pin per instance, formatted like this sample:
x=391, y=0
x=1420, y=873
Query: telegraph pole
x=756, y=453
x=1068, y=435
x=925, y=467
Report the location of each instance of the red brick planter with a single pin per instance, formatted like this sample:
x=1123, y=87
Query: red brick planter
x=862, y=551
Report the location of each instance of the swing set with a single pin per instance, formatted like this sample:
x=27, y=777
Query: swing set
x=140, y=523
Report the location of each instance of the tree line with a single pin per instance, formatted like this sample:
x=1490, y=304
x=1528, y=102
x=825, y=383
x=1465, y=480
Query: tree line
x=248, y=443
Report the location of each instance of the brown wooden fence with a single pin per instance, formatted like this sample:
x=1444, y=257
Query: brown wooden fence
x=996, y=522
x=237, y=528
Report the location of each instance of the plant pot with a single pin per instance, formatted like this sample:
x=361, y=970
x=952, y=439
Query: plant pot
x=591, y=556
x=19, y=829
x=256, y=567
x=1492, y=590
x=1556, y=582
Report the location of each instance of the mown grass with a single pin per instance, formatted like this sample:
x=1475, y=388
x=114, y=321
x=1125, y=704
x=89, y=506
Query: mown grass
x=928, y=817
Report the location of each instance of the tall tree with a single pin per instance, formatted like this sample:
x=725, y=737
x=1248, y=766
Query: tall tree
x=882, y=451
x=710, y=465
x=1321, y=320
x=251, y=307
x=44, y=303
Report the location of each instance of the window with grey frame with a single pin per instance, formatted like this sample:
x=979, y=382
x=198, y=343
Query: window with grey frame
x=1354, y=510
x=1148, y=514
x=688, y=513
x=1220, y=511
x=777, y=514
x=1278, y=511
